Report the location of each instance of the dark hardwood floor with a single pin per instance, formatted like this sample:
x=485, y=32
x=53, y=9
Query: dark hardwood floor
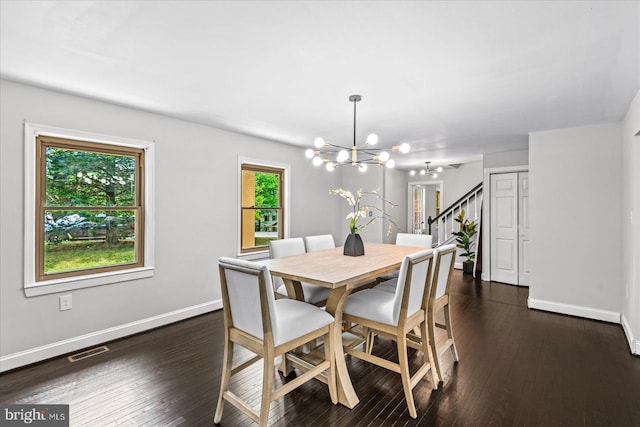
x=517, y=367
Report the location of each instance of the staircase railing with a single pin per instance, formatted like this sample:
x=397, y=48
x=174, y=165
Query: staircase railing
x=444, y=223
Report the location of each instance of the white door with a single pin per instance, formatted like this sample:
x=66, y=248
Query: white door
x=504, y=228
x=523, y=224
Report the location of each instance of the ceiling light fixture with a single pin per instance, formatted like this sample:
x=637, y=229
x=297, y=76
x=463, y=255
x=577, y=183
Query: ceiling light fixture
x=427, y=171
x=356, y=156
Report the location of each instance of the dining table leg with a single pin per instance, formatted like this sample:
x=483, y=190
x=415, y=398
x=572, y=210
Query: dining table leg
x=335, y=305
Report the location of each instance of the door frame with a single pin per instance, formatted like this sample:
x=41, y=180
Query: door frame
x=486, y=214
x=410, y=185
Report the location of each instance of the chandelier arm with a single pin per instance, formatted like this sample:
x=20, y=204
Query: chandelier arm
x=364, y=144
x=372, y=151
x=359, y=162
x=338, y=146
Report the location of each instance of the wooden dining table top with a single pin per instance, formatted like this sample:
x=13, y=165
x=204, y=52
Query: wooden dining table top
x=331, y=269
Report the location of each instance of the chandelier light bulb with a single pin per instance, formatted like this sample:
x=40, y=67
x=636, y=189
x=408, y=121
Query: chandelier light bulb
x=318, y=142
x=330, y=166
x=435, y=175
x=309, y=153
x=372, y=139
x=412, y=173
x=362, y=167
x=383, y=156
x=439, y=169
x=317, y=161
x=390, y=164
x=405, y=148
x=422, y=172
x=343, y=155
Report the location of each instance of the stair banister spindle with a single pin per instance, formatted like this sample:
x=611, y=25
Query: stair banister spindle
x=475, y=205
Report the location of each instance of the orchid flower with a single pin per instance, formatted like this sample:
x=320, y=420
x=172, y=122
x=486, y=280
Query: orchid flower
x=361, y=212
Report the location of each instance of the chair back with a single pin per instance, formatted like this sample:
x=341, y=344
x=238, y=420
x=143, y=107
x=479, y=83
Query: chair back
x=286, y=247
x=419, y=240
x=319, y=243
x=283, y=248
x=445, y=257
x=247, y=294
x=414, y=283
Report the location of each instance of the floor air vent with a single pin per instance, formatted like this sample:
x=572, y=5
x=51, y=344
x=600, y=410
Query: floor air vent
x=87, y=353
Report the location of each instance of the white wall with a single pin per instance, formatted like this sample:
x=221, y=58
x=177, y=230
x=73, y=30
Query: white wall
x=631, y=228
x=395, y=191
x=196, y=222
x=576, y=251
x=455, y=182
x=352, y=180
x=505, y=159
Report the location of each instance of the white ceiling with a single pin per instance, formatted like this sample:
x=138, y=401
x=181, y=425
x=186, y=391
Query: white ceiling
x=454, y=79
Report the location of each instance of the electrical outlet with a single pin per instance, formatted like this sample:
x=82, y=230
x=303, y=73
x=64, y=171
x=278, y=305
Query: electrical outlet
x=65, y=302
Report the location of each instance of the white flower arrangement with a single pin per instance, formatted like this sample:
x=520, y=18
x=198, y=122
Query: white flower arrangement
x=361, y=211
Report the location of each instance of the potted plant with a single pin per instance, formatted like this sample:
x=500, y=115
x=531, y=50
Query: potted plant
x=465, y=238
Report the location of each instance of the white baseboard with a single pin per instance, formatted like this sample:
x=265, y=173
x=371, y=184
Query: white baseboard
x=457, y=265
x=48, y=351
x=574, y=310
x=634, y=344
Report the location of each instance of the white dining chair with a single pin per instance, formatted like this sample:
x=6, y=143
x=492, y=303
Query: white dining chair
x=439, y=300
x=395, y=316
x=319, y=242
x=419, y=240
x=386, y=282
x=254, y=319
x=313, y=294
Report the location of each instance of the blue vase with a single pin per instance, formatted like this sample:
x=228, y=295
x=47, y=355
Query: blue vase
x=353, y=246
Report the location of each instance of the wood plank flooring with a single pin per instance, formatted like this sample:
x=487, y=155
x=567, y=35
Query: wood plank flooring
x=517, y=367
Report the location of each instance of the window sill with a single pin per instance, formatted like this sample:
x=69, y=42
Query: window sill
x=88, y=281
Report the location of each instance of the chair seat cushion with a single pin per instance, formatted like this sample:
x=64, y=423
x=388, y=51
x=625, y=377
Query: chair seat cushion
x=388, y=286
x=373, y=305
x=312, y=293
x=296, y=318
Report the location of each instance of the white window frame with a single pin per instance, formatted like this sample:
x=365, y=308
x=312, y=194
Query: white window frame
x=35, y=288
x=287, y=204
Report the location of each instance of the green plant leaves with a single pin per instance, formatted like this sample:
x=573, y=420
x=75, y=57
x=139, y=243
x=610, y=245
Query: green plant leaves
x=464, y=237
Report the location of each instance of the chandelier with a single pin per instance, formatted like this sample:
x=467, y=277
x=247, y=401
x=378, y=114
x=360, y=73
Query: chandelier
x=360, y=156
x=427, y=171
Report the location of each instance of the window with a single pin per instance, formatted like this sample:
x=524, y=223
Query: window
x=262, y=212
x=88, y=210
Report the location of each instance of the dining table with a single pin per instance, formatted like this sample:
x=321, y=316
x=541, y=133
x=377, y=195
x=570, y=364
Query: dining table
x=341, y=273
